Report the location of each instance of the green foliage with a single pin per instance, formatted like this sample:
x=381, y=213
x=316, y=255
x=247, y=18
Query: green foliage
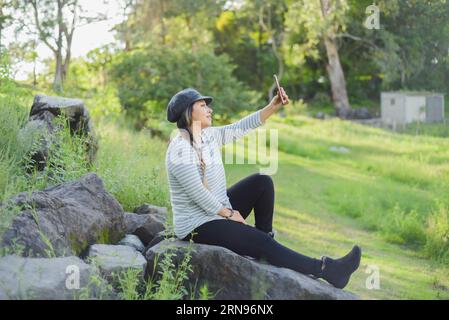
x=12, y=117
x=167, y=283
x=148, y=79
x=96, y=287
x=238, y=34
x=205, y=294
x=404, y=227
x=170, y=285
x=437, y=233
x=128, y=284
x=5, y=66
x=427, y=129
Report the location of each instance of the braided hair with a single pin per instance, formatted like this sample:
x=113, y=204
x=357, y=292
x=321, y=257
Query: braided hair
x=184, y=123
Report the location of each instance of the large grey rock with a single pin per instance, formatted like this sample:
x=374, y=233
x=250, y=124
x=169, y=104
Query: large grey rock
x=132, y=241
x=152, y=209
x=50, y=279
x=160, y=236
x=41, y=127
x=145, y=226
x=65, y=219
x=112, y=259
x=231, y=276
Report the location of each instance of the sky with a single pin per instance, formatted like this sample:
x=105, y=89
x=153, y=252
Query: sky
x=85, y=38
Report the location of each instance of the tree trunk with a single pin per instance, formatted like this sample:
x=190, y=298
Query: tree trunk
x=337, y=79
x=274, y=48
x=57, y=81
x=334, y=69
x=59, y=68
x=163, y=27
x=34, y=74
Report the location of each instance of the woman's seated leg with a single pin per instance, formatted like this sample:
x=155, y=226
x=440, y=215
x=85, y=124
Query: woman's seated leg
x=249, y=241
x=256, y=192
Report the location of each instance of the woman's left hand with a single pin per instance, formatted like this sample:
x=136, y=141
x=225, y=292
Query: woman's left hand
x=277, y=101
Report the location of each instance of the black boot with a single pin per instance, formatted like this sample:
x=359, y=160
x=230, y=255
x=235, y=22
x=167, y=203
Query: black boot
x=338, y=271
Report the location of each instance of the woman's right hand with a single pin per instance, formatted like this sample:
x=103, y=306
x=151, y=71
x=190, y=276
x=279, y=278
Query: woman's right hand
x=237, y=217
x=225, y=212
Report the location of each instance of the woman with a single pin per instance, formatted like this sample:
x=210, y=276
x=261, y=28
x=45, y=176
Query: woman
x=205, y=211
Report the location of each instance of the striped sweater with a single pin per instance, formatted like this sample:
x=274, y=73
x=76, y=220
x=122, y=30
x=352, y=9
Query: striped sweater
x=193, y=204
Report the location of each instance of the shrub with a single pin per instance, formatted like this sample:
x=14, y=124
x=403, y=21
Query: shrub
x=148, y=79
x=403, y=227
x=437, y=234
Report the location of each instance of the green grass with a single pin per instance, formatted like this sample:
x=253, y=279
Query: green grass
x=132, y=166
x=383, y=194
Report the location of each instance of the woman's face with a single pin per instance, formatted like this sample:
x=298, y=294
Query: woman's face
x=202, y=114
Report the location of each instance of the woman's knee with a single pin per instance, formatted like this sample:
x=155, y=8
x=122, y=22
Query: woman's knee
x=264, y=181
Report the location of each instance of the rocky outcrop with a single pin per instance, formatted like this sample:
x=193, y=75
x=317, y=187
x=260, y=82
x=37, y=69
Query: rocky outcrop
x=50, y=279
x=231, y=276
x=81, y=218
x=65, y=219
x=113, y=259
x=41, y=126
x=144, y=226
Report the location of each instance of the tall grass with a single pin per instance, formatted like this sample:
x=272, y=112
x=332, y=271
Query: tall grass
x=13, y=116
x=437, y=234
x=168, y=280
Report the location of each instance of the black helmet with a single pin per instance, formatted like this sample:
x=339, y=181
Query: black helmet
x=181, y=101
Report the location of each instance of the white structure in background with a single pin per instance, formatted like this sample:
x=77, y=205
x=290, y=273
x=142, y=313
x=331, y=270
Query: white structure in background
x=405, y=107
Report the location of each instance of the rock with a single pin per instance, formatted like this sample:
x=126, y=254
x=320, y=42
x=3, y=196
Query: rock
x=231, y=276
x=132, y=241
x=112, y=259
x=133, y=221
x=320, y=115
x=339, y=149
x=145, y=226
x=50, y=279
x=160, y=236
x=152, y=226
x=360, y=113
x=39, y=131
x=65, y=219
x=42, y=128
x=151, y=209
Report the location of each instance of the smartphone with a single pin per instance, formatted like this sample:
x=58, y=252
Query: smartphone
x=279, y=89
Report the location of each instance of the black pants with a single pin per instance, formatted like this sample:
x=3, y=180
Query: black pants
x=254, y=192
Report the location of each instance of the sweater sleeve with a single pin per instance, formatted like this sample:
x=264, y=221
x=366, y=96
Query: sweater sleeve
x=236, y=130
x=183, y=165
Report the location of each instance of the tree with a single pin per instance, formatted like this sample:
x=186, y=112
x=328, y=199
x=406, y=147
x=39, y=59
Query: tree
x=334, y=69
x=147, y=78
x=314, y=23
x=55, y=22
x=172, y=23
x=270, y=20
x=413, y=44
x=5, y=17
x=123, y=29
x=252, y=35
